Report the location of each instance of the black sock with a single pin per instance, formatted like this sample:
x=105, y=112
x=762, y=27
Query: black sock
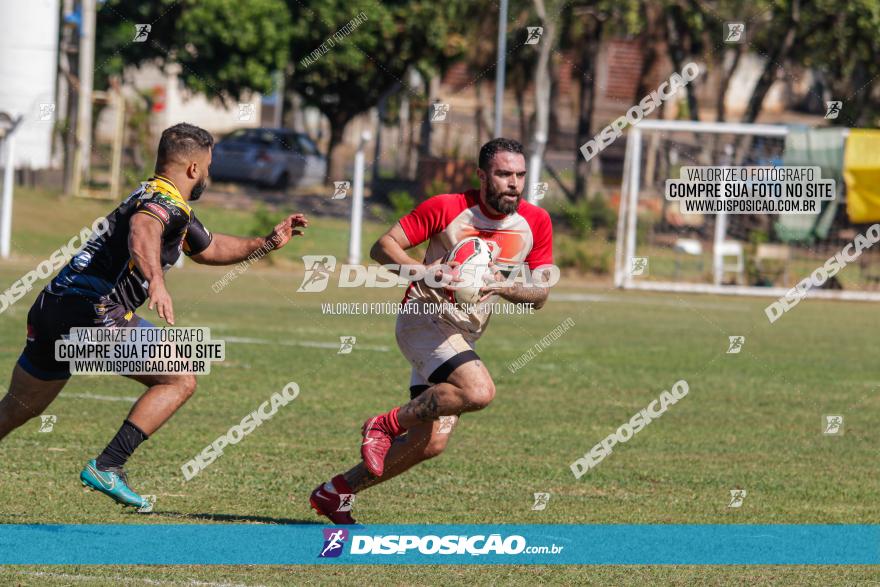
x=120, y=448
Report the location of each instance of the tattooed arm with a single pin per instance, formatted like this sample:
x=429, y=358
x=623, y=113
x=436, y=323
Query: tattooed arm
x=526, y=294
x=534, y=293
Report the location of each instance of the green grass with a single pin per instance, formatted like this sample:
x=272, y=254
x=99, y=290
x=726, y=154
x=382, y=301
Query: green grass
x=43, y=223
x=439, y=575
x=751, y=420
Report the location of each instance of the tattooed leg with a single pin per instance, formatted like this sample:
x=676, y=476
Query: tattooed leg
x=467, y=389
x=359, y=478
x=422, y=442
x=425, y=407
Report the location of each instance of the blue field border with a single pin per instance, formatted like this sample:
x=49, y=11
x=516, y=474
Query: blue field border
x=236, y=544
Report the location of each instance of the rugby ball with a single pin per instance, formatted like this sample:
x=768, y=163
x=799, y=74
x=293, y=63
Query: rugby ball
x=474, y=256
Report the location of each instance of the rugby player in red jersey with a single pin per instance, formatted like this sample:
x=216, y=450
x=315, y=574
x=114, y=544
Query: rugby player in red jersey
x=448, y=378
x=114, y=274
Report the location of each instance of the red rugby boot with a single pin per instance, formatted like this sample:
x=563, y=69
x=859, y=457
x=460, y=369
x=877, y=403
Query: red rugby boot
x=336, y=503
x=379, y=432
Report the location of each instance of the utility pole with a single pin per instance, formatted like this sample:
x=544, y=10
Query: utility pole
x=278, y=111
x=68, y=93
x=501, y=66
x=84, y=100
x=8, y=126
x=357, y=201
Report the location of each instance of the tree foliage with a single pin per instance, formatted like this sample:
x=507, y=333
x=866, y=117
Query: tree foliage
x=359, y=67
x=224, y=47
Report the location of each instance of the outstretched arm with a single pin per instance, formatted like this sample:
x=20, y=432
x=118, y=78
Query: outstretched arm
x=228, y=250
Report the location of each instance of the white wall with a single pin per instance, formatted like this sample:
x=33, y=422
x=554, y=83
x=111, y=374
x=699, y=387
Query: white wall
x=28, y=63
x=180, y=105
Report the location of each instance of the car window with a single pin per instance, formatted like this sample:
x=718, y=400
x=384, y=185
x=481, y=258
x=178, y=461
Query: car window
x=307, y=146
x=269, y=139
x=237, y=136
x=244, y=136
x=290, y=143
x=265, y=139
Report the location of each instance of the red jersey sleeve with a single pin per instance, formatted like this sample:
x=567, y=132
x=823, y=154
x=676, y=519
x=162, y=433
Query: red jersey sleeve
x=431, y=217
x=542, y=238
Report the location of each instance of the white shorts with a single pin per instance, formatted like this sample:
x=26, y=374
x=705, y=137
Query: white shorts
x=434, y=348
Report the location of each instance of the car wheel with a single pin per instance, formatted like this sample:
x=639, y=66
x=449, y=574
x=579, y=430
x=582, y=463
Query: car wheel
x=282, y=182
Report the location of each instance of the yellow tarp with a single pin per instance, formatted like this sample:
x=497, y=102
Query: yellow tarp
x=861, y=172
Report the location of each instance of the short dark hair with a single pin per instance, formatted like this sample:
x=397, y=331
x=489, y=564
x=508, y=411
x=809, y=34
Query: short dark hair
x=488, y=150
x=180, y=141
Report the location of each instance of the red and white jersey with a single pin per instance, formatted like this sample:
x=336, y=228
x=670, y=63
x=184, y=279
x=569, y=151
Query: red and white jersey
x=526, y=236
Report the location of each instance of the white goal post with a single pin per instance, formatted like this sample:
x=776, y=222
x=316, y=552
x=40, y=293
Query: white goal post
x=674, y=246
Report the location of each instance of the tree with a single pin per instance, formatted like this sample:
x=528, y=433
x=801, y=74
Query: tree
x=784, y=31
x=584, y=25
x=681, y=38
x=541, y=131
x=224, y=47
x=842, y=46
x=345, y=72
x=480, y=52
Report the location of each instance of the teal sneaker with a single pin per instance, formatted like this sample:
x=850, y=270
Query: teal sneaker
x=114, y=484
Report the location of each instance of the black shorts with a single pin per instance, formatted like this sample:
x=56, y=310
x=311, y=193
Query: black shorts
x=52, y=316
x=442, y=372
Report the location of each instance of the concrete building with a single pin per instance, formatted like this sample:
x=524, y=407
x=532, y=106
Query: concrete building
x=28, y=66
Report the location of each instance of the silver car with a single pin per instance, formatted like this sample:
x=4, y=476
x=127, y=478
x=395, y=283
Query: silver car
x=270, y=157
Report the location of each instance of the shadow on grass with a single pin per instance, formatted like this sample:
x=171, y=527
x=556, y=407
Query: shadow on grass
x=235, y=518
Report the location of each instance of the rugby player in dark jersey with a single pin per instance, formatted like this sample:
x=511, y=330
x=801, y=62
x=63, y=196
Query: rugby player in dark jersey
x=114, y=274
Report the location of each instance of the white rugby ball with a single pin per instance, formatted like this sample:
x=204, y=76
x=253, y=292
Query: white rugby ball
x=474, y=256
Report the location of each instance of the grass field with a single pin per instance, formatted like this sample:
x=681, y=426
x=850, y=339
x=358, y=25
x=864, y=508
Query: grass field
x=751, y=420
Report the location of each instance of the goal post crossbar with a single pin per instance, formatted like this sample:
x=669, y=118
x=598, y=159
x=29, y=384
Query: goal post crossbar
x=628, y=216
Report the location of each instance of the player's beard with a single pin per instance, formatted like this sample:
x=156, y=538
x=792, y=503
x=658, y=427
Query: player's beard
x=198, y=189
x=494, y=199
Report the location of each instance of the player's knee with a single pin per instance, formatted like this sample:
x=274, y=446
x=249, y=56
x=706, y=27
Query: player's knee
x=15, y=416
x=187, y=385
x=480, y=393
x=14, y=413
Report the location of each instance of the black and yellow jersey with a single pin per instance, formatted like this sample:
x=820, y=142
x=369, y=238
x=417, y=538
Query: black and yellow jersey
x=103, y=269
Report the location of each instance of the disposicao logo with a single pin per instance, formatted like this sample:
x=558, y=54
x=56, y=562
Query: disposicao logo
x=334, y=541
